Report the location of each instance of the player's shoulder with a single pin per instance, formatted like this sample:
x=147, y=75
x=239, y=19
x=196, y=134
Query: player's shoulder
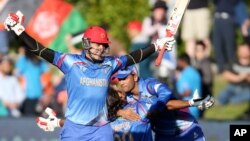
x=150, y=84
x=114, y=58
x=73, y=58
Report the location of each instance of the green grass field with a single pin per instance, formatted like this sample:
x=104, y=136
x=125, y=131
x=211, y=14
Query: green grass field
x=227, y=112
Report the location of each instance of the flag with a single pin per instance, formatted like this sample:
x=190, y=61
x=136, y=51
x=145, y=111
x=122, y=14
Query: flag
x=48, y=21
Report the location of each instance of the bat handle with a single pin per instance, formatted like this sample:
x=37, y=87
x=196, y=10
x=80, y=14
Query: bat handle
x=161, y=53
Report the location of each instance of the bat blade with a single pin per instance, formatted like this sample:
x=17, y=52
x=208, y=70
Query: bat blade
x=173, y=23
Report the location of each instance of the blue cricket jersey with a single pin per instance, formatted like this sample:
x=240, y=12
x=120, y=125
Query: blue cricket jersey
x=87, y=85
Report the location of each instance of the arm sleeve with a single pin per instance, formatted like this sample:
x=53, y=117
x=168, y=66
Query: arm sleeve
x=139, y=55
x=37, y=48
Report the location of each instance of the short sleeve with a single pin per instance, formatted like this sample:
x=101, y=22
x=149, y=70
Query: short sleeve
x=119, y=63
x=63, y=61
x=159, y=89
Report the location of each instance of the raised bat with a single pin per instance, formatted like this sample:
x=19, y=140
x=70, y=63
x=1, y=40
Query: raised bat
x=173, y=24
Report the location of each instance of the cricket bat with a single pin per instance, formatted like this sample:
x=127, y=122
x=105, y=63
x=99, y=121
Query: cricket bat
x=173, y=24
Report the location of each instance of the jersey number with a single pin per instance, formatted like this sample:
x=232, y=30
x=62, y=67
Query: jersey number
x=127, y=136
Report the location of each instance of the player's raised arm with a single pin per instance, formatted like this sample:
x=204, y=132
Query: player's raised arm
x=140, y=54
x=14, y=23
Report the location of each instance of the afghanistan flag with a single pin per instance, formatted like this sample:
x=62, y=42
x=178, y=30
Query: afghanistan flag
x=47, y=21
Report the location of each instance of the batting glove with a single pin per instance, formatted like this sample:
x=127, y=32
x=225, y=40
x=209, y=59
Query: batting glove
x=48, y=124
x=166, y=42
x=201, y=103
x=14, y=22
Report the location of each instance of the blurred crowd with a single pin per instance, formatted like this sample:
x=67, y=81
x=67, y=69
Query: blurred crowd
x=28, y=84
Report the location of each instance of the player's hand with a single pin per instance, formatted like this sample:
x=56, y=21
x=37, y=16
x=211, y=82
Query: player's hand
x=14, y=22
x=129, y=114
x=166, y=42
x=201, y=103
x=48, y=124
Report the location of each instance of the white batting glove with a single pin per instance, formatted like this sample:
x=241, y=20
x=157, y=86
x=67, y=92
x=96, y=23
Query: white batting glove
x=166, y=42
x=201, y=103
x=48, y=124
x=14, y=22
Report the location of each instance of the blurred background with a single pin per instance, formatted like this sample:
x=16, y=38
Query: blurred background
x=212, y=54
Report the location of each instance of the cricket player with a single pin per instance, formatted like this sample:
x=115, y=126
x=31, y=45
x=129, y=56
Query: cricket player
x=153, y=100
x=87, y=78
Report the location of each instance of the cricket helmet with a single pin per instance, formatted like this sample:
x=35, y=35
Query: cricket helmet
x=95, y=34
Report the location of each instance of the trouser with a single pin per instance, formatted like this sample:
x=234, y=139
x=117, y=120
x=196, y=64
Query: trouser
x=224, y=41
x=78, y=132
x=193, y=133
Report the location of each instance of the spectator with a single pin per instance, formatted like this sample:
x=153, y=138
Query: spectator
x=138, y=41
x=31, y=68
x=4, y=42
x=238, y=77
x=11, y=94
x=243, y=20
x=195, y=26
x=47, y=98
x=188, y=80
x=154, y=26
x=203, y=64
x=245, y=29
x=224, y=32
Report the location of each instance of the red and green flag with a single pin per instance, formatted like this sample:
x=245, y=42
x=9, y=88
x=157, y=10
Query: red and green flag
x=48, y=21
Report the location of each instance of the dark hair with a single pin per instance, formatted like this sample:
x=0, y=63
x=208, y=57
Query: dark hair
x=160, y=4
x=10, y=60
x=184, y=57
x=199, y=42
x=7, y=58
x=114, y=104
